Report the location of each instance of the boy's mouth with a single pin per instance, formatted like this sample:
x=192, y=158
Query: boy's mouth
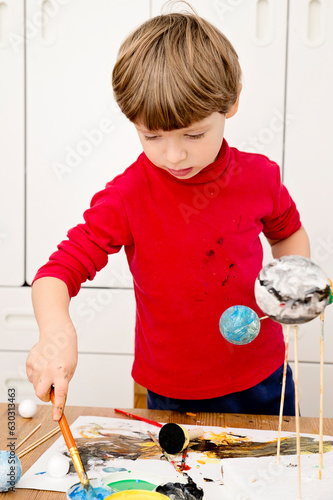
x=180, y=173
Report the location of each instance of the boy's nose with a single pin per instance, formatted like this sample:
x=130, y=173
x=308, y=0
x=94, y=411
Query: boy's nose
x=174, y=155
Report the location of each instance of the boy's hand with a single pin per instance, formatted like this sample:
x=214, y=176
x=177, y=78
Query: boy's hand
x=52, y=361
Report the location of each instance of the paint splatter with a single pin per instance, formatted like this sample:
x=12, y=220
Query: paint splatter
x=96, y=452
x=209, y=253
x=225, y=280
x=229, y=447
x=114, y=469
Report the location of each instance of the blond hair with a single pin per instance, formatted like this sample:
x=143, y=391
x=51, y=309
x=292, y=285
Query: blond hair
x=174, y=70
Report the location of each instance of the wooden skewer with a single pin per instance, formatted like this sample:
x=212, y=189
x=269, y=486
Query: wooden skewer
x=298, y=436
x=283, y=391
x=167, y=456
x=27, y=437
x=38, y=442
x=321, y=405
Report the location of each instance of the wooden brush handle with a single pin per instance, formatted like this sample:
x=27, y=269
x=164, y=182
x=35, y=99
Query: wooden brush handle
x=66, y=432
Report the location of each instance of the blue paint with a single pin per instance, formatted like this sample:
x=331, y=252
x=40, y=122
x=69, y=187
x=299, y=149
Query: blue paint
x=40, y=473
x=10, y=470
x=115, y=469
x=239, y=325
x=77, y=492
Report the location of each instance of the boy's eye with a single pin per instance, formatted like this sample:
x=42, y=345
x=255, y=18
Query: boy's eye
x=150, y=137
x=195, y=136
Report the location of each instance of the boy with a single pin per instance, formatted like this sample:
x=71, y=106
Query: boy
x=188, y=212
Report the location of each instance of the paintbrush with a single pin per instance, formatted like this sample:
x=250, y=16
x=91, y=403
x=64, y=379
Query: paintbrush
x=137, y=417
x=166, y=455
x=74, y=453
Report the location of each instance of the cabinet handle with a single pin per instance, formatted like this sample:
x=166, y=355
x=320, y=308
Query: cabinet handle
x=4, y=23
x=263, y=19
x=17, y=320
x=315, y=23
x=49, y=11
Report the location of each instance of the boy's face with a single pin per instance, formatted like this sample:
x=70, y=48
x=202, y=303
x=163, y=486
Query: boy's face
x=184, y=152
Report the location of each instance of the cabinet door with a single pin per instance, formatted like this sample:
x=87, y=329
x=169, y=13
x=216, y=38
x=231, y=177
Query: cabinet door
x=309, y=389
x=12, y=143
x=77, y=139
x=308, y=167
x=99, y=380
x=257, y=29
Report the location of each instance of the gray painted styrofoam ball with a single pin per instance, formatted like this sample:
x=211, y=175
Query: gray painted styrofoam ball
x=292, y=290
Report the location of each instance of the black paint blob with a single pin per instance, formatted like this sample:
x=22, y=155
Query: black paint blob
x=178, y=491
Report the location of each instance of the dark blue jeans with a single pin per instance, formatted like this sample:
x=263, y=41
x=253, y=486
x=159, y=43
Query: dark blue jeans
x=262, y=399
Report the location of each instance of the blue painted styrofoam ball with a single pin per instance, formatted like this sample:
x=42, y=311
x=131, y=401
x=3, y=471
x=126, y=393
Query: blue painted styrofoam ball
x=239, y=325
x=10, y=470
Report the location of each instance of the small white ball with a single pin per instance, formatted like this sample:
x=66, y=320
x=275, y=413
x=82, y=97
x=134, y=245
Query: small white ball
x=27, y=408
x=57, y=465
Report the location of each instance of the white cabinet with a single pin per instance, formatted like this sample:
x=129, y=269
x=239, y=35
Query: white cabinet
x=100, y=380
x=104, y=320
x=309, y=385
x=12, y=196
x=308, y=168
x=258, y=31
x=77, y=139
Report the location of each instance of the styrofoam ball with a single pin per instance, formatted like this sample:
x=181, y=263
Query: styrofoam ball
x=10, y=470
x=57, y=465
x=27, y=408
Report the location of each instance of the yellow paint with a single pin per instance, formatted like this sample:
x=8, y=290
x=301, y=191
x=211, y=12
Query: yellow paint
x=147, y=444
x=138, y=495
x=226, y=438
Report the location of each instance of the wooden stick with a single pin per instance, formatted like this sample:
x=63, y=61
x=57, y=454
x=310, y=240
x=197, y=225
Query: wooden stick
x=283, y=391
x=27, y=437
x=321, y=405
x=167, y=456
x=298, y=436
x=38, y=442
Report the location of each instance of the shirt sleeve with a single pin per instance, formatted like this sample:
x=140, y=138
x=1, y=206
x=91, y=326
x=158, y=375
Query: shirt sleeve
x=284, y=219
x=86, y=249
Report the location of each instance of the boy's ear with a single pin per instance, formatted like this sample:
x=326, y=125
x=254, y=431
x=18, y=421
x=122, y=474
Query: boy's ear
x=233, y=110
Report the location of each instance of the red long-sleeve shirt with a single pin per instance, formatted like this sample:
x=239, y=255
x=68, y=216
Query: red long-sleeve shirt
x=193, y=249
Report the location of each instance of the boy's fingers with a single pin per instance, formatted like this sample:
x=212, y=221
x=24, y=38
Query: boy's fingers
x=60, y=394
x=42, y=389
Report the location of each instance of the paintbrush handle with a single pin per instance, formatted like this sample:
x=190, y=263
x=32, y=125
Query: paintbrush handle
x=66, y=432
x=71, y=445
x=137, y=417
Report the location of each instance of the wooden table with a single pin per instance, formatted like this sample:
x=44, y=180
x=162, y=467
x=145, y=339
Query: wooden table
x=24, y=426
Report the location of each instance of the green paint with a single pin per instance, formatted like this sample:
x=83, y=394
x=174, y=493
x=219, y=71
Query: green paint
x=132, y=484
